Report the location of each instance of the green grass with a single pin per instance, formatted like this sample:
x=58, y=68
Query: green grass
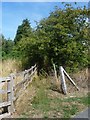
x=84, y=100
x=68, y=111
x=44, y=104
x=67, y=106
x=41, y=101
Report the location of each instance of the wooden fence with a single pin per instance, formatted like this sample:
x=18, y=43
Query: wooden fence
x=14, y=90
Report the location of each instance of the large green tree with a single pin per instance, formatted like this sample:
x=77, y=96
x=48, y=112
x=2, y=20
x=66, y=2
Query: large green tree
x=65, y=37
x=61, y=38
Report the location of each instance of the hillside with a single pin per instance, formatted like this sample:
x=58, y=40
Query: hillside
x=37, y=62
x=42, y=99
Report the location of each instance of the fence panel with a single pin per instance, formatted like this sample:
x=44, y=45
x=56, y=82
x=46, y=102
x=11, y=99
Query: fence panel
x=13, y=90
x=6, y=105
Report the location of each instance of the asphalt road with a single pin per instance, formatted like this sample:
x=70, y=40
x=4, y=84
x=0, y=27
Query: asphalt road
x=84, y=114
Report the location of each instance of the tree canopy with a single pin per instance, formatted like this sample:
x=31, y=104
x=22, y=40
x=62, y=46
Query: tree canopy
x=23, y=30
x=61, y=38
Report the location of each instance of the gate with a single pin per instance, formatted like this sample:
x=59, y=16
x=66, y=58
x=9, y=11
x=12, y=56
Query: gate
x=10, y=91
x=6, y=95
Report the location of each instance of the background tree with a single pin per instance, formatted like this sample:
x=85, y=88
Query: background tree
x=24, y=30
x=6, y=46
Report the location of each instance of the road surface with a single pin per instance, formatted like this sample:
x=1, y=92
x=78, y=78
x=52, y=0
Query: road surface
x=83, y=114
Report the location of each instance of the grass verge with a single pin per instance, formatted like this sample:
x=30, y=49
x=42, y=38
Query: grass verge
x=42, y=102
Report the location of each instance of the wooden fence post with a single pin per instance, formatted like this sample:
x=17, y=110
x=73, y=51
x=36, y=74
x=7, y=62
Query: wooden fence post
x=63, y=83
x=70, y=79
x=10, y=95
x=55, y=72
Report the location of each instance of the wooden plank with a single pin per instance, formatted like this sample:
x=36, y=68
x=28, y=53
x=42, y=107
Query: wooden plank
x=23, y=72
x=63, y=83
x=31, y=68
x=22, y=82
x=12, y=94
x=4, y=104
x=5, y=115
x=70, y=79
x=28, y=81
x=4, y=91
x=4, y=79
x=9, y=94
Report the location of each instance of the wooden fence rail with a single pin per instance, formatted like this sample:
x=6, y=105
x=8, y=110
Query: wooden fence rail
x=27, y=78
x=14, y=90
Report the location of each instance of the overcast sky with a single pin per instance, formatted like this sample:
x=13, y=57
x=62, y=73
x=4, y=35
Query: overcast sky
x=14, y=12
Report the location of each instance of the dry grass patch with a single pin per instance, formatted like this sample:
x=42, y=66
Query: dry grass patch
x=9, y=66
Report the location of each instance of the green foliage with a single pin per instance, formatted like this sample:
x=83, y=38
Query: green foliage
x=41, y=101
x=62, y=38
x=6, y=47
x=65, y=37
x=23, y=30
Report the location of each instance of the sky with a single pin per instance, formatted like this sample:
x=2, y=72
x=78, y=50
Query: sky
x=14, y=12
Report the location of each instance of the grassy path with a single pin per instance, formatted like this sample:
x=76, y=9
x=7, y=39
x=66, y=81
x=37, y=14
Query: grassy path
x=40, y=101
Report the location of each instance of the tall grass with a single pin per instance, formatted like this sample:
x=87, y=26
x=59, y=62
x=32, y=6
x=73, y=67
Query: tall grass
x=9, y=66
x=6, y=68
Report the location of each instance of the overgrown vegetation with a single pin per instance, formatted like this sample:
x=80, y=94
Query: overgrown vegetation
x=61, y=38
x=42, y=102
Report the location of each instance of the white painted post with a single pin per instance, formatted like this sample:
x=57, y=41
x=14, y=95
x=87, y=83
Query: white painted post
x=63, y=84
x=70, y=79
